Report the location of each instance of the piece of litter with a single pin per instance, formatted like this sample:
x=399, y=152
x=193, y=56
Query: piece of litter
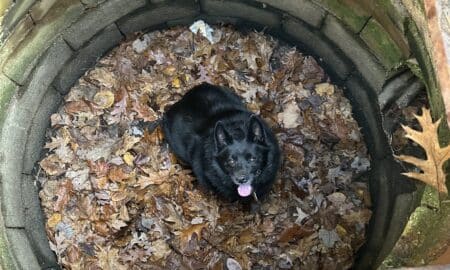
x=232, y=264
x=204, y=28
x=140, y=44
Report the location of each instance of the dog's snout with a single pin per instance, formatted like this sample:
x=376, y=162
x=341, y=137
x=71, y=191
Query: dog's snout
x=241, y=178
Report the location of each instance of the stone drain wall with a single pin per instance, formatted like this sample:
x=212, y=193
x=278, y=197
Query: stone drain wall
x=47, y=45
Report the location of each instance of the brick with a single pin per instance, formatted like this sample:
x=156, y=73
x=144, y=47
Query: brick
x=97, y=19
x=12, y=145
x=6, y=256
x=34, y=224
x=7, y=90
x=86, y=58
x=240, y=10
x=45, y=72
x=21, y=248
x=15, y=38
x=36, y=134
x=16, y=13
x=366, y=112
x=22, y=61
x=381, y=44
x=220, y=20
x=355, y=50
x=145, y=19
x=316, y=43
x=92, y=3
x=40, y=9
x=301, y=9
x=158, y=1
x=350, y=13
x=392, y=88
x=410, y=92
x=185, y=21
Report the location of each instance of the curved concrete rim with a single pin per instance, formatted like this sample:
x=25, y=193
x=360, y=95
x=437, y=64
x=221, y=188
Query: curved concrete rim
x=74, y=38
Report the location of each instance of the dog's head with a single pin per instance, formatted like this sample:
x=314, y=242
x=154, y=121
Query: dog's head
x=242, y=154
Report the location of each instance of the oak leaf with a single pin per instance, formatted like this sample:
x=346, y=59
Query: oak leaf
x=433, y=173
x=187, y=234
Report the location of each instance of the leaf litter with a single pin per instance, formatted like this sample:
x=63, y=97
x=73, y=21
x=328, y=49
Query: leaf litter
x=115, y=197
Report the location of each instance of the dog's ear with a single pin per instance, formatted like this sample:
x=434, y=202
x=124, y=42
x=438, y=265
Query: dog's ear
x=221, y=136
x=256, y=131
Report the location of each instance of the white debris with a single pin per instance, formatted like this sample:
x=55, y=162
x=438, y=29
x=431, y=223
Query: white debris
x=140, y=44
x=360, y=164
x=232, y=264
x=204, y=28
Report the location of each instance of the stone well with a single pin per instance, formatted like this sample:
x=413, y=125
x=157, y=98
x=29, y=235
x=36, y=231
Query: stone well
x=374, y=49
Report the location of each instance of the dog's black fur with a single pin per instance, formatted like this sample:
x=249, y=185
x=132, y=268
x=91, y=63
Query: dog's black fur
x=211, y=130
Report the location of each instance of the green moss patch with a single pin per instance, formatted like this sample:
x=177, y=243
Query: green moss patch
x=381, y=44
x=347, y=11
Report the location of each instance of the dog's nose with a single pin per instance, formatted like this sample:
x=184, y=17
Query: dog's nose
x=241, y=178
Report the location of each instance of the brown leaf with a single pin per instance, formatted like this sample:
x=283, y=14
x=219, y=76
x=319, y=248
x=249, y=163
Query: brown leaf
x=103, y=76
x=144, y=111
x=79, y=106
x=247, y=236
x=433, y=173
x=52, y=165
x=118, y=196
x=109, y=258
x=99, y=168
x=102, y=228
x=73, y=254
x=294, y=233
x=65, y=191
x=128, y=158
x=187, y=234
x=169, y=70
x=128, y=141
x=160, y=250
x=53, y=220
x=176, y=82
x=324, y=89
x=362, y=216
x=116, y=174
x=104, y=99
x=290, y=117
x=152, y=179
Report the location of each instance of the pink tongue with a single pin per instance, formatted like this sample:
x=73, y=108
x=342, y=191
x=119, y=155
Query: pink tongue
x=245, y=190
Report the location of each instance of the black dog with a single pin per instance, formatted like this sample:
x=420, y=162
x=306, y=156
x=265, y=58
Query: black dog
x=230, y=149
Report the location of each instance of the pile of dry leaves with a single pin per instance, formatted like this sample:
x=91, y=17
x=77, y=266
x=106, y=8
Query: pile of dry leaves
x=116, y=198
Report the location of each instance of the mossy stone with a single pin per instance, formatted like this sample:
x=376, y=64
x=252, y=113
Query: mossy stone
x=7, y=90
x=383, y=47
x=348, y=11
x=24, y=58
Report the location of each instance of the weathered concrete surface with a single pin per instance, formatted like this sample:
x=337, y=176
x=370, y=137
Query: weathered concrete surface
x=305, y=9
x=21, y=62
x=147, y=18
x=98, y=18
x=241, y=10
x=6, y=260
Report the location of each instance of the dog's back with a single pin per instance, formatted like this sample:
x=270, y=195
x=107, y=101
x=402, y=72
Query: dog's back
x=230, y=149
x=195, y=114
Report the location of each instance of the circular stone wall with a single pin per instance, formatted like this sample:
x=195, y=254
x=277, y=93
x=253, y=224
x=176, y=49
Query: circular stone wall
x=48, y=45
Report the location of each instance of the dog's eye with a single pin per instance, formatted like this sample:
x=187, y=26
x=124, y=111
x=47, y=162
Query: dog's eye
x=231, y=162
x=252, y=159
